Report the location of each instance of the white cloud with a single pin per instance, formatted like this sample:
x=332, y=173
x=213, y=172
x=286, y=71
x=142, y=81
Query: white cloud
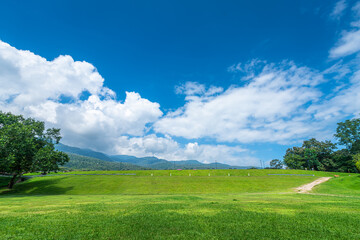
x=270, y=108
x=278, y=103
x=167, y=148
x=34, y=86
x=345, y=102
x=193, y=89
x=349, y=42
x=338, y=10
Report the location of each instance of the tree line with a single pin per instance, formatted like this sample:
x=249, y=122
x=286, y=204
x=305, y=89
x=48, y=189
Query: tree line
x=325, y=155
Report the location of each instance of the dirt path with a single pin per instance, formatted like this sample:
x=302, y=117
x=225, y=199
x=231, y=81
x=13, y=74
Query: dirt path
x=307, y=187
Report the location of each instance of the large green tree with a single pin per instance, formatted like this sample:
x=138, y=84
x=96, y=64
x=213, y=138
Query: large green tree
x=313, y=154
x=348, y=134
x=26, y=146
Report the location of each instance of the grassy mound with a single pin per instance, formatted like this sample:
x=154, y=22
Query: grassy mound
x=348, y=185
x=180, y=206
x=110, y=184
x=166, y=182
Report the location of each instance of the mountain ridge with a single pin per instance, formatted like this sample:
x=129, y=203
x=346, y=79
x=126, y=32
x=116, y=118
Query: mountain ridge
x=146, y=162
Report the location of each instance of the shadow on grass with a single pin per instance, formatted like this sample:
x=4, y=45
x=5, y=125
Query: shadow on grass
x=4, y=181
x=43, y=187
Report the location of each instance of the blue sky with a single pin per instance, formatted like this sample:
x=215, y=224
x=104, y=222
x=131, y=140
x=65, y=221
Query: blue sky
x=236, y=81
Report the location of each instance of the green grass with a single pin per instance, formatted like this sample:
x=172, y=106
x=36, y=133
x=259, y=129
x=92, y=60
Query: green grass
x=180, y=207
x=212, y=172
x=286, y=216
x=75, y=185
x=349, y=185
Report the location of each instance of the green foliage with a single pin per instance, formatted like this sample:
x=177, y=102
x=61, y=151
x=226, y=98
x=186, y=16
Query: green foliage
x=348, y=134
x=357, y=161
x=313, y=154
x=4, y=181
x=276, y=164
x=25, y=146
x=320, y=156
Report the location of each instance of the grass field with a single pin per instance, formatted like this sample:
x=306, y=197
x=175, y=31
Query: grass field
x=181, y=207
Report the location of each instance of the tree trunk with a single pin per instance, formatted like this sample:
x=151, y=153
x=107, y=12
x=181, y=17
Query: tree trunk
x=12, y=181
x=21, y=179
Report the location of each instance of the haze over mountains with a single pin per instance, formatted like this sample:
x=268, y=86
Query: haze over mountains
x=86, y=159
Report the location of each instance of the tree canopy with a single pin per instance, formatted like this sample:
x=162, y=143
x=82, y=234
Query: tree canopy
x=348, y=134
x=26, y=146
x=324, y=155
x=276, y=164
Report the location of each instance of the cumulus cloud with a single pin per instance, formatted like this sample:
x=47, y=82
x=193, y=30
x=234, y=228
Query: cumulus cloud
x=271, y=107
x=71, y=95
x=36, y=87
x=273, y=102
x=167, y=148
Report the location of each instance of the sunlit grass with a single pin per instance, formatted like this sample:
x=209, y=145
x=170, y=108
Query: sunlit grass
x=180, y=207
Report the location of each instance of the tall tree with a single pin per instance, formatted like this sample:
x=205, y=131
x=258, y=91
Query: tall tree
x=348, y=134
x=25, y=146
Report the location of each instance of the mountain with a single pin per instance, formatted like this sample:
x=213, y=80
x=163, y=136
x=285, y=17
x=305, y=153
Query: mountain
x=83, y=152
x=80, y=162
x=156, y=163
x=131, y=161
x=86, y=159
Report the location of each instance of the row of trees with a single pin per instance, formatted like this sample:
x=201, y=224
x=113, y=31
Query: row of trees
x=324, y=155
x=26, y=146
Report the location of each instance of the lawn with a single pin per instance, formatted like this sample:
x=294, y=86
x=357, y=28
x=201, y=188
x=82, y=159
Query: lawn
x=349, y=185
x=179, y=207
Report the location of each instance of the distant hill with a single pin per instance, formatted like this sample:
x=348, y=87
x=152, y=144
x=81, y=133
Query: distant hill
x=80, y=162
x=156, y=163
x=83, y=152
x=133, y=162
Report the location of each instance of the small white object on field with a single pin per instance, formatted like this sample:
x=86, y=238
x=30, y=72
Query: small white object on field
x=229, y=174
x=152, y=174
x=209, y=174
x=170, y=174
x=189, y=174
x=249, y=174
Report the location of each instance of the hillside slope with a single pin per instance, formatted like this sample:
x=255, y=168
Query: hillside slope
x=136, y=184
x=79, y=162
x=83, y=152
